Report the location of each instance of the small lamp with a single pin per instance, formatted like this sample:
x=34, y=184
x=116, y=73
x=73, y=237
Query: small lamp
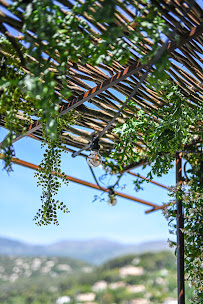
x=112, y=198
x=94, y=159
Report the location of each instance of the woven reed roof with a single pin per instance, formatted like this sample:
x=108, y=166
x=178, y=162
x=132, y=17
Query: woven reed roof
x=98, y=92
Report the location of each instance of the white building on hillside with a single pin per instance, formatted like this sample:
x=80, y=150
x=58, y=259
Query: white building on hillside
x=116, y=285
x=135, y=288
x=63, y=300
x=131, y=271
x=86, y=297
x=99, y=286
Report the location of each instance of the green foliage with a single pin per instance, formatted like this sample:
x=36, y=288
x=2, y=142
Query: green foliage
x=49, y=175
x=48, y=38
x=54, y=36
x=125, y=151
x=30, y=78
x=162, y=137
x=178, y=126
x=11, y=102
x=47, y=282
x=160, y=261
x=39, y=70
x=191, y=195
x=118, y=262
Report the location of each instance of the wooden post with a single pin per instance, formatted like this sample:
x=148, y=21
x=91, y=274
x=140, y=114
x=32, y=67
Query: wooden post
x=180, y=235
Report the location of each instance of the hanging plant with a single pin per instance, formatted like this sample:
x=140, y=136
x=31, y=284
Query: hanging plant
x=163, y=139
x=50, y=174
x=53, y=36
x=49, y=177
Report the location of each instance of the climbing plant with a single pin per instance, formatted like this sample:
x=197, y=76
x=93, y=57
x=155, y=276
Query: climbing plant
x=164, y=132
x=16, y=111
x=191, y=195
x=163, y=138
x=51, y=37
x=34, y=76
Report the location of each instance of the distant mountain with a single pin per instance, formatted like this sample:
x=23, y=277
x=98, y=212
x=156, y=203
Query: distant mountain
x=95, y=251
x=18, y=248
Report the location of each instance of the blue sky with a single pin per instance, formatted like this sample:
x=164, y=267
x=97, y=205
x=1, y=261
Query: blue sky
x=125, y=222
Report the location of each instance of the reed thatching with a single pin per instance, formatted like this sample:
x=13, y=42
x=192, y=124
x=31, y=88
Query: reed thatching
x=98, y=92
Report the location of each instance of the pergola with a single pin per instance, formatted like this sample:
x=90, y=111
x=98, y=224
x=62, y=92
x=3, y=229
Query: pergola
x=100, y=94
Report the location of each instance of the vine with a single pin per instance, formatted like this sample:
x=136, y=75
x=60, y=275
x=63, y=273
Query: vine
x=50, y=174
x=13, y=107
x=192, y=198
x=163, y=138
x=51, y=38
x=68, y=36
x=34, y=83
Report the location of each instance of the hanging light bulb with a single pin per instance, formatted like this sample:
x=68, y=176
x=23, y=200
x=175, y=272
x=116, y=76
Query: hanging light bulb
x=94, y=159
x=112, y=198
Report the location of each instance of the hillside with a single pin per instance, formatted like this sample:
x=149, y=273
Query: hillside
x=95, y=251
x=148, y=278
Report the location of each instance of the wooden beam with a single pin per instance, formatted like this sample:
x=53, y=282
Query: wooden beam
x=193, y=33
x=82, y=182
x=76, y=102
x=159, y=208
x=149, y=180
x=129, y=172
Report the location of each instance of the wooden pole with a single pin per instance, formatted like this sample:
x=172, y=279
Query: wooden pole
x=82, y=182
x=129, y=172
x=180, y=235
x=149, y=180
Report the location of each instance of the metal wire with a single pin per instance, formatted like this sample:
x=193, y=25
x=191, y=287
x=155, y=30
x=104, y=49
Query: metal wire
x=94, y=176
